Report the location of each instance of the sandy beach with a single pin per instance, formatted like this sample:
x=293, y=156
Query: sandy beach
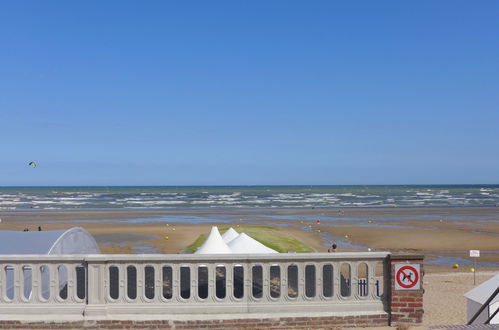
x=444, y=235
x=442, y=241
x=444, y=303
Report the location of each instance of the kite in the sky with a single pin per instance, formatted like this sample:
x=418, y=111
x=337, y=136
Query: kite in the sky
x=32, y=164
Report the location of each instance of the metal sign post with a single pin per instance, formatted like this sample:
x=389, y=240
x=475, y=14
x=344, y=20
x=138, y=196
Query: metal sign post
x=474, y=254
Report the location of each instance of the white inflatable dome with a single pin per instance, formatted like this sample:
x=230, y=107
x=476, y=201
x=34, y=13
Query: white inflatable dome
x=55, y=242
x=72, y=241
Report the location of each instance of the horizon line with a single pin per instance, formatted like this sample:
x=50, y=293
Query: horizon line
x=259, y=185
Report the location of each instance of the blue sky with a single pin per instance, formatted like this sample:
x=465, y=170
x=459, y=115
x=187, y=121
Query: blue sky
x=249, y=92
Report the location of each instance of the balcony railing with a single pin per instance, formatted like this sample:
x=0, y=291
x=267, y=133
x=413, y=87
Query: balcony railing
x=104, y=286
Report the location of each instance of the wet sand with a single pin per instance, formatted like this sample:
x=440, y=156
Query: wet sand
x=444, y=235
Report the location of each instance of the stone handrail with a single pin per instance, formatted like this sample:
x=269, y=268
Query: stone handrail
x=123, y=286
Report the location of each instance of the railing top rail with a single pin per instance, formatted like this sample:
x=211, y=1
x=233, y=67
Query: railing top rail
x=192, y=258
x=38, y=258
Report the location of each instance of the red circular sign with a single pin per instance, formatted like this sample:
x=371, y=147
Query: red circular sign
x=406, y=274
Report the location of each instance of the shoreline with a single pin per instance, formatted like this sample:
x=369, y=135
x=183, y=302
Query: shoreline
x=393, y=229
x=443, y=233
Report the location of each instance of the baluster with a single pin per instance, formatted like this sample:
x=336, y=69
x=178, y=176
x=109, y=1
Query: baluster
x=229, y=283
x=158, y=283
x=357, y=280
x=301, y=281
x=248, y=282
x=53, y=284
x=97, y=283
x=212, y=279
x=3, y=283
x=18, y=283
x=175, y=285
x=371, y=281
x=352, y=281
x=265, y=282
x=27, y=283
x=337, y=279
x=71, y=283
x=36, y=288
x=193, y=273
x=123, y=282
x=319, y=275
x=140, y=282
x=284, y=281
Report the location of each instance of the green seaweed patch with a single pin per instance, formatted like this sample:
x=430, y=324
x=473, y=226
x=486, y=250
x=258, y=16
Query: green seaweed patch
x=197, y=243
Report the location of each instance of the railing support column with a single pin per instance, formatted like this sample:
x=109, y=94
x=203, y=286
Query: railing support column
x=406, y=305
x=96, y=295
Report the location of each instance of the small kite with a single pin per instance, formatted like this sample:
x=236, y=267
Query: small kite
x=33, y=164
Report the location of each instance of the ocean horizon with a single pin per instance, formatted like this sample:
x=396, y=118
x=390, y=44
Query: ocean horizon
x=247, y=196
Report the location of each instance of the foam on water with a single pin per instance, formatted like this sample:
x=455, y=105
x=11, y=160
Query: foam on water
x=248, y=196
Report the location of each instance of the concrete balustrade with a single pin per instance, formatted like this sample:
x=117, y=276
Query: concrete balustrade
x=97, y=287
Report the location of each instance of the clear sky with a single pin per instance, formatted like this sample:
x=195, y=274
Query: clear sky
x=249, y=92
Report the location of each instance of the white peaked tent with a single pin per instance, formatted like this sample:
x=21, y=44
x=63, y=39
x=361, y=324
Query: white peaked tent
x=229, y=235
x=478, y=296
x=72, y=241
x=245, y=244
x=214, y=244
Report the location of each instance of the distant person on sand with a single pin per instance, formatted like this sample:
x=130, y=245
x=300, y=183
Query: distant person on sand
x=332, y=248
x=39, y=228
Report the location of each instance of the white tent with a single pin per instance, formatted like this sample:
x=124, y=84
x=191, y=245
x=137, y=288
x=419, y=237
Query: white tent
x=229, y=235
x=72, y=241
x=478, y=296
x=214, y=244
x=245, y=244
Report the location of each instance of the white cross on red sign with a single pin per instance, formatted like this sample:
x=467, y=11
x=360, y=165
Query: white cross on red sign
x=407, y=277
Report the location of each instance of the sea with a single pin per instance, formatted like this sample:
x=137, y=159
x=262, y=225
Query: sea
x=213, y=197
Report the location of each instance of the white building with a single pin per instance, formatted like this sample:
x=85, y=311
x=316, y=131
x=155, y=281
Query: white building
x=478, y=296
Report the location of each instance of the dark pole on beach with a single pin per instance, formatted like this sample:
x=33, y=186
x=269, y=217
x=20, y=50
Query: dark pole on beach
x=474, y=271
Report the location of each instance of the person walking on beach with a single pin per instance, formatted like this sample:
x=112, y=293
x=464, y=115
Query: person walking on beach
x=332, y=248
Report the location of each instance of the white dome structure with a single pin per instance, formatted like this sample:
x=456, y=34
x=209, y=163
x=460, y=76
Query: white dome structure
x=245, y=244
x=75, y=240
x=229, y=235
x=214, y=244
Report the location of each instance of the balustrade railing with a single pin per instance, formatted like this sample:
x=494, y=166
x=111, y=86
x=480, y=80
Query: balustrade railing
x=99, y=286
